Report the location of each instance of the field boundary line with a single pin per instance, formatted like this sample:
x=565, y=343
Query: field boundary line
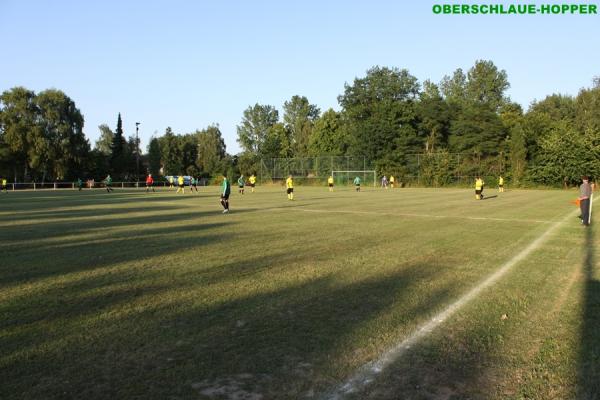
x=367, y=373
x=411, y=215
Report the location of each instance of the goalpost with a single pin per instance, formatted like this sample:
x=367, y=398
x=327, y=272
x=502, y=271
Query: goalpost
x=347, y=177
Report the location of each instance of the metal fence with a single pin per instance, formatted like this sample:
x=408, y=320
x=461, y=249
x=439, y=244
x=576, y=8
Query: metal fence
x=465, y=181
x=428, y=169
x=316, y=168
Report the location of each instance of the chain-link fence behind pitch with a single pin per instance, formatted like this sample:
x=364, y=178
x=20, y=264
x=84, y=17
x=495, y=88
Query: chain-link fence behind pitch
x=308, y=169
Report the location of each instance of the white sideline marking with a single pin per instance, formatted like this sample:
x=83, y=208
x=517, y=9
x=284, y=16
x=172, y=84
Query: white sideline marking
x=421, y=215
x=367, y=373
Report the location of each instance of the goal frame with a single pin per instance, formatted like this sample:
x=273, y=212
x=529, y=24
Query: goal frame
x=357, y=171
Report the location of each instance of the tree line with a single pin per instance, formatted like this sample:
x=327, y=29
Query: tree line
x=402, y=126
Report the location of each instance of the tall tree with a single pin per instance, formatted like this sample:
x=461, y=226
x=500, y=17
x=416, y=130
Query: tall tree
x=434, y=117
x=477, y=130
x=454, y=88
x=211, y=150
x=18, y=127
x=61, y=124
x=381, y=113
x=566, y=154
x=255, y=126
x=188, y=145
x=105, y=141
x=129, y=158
x=474, y=101
x=517, y=153
x=118, y=159
x=587, y=109
x=542, y=119
x=171, y=153
x=154, y=156
x=487, y=85
x=277, y=142
x=330, y=136
x=299, y=117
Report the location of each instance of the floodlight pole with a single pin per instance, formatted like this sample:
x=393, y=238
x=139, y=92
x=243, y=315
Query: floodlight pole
x=137, y=153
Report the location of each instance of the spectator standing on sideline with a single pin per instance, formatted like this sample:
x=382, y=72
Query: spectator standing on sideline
x=585, y=192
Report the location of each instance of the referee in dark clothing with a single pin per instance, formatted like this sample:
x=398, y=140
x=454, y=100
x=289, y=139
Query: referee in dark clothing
x=585, y=192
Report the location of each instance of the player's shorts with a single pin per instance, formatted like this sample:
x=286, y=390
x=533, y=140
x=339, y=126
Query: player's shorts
x=478, y=191
x=3, y=187
x=182, y=186
x=253, y=184
x=358, y=185
x=225, y=197
x=241, y=186
x=331, y=185
x=148, y=185
x=290, y=190
x=501, y=186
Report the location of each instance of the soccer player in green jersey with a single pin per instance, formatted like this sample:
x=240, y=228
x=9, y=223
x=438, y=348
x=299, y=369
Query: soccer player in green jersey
x=225, y=192
x=108, y=183
x=193, y=184
x=357, y=184
x=241, y=184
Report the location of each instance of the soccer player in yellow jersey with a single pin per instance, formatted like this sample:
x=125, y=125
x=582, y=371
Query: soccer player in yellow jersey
x=330, y=183
x=289, y=184
x=392, y=180
x=479, y=188
x=171, y=179
x=4, y=185
x=500, y=184
x=252, y=181
x=181, y=184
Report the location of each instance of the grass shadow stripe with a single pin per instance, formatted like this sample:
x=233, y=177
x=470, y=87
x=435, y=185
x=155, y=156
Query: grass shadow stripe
x=368, y=372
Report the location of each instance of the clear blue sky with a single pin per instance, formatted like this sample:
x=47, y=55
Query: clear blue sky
x=187, y=64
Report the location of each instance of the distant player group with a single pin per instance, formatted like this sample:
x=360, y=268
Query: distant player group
x=289, y=185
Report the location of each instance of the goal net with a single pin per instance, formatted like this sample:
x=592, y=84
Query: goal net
x=367, y=177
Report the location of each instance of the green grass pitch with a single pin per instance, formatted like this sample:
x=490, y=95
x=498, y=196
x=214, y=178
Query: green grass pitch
x=131, y=295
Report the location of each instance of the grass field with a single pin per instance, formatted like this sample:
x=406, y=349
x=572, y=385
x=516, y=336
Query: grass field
x=131, y=295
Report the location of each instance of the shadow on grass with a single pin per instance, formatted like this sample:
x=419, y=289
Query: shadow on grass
x=465, y=363
x=83, y=215
x=28, y=261
x=43, y=208
x=282, y=343
x=589, y=367
x=15, y=235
